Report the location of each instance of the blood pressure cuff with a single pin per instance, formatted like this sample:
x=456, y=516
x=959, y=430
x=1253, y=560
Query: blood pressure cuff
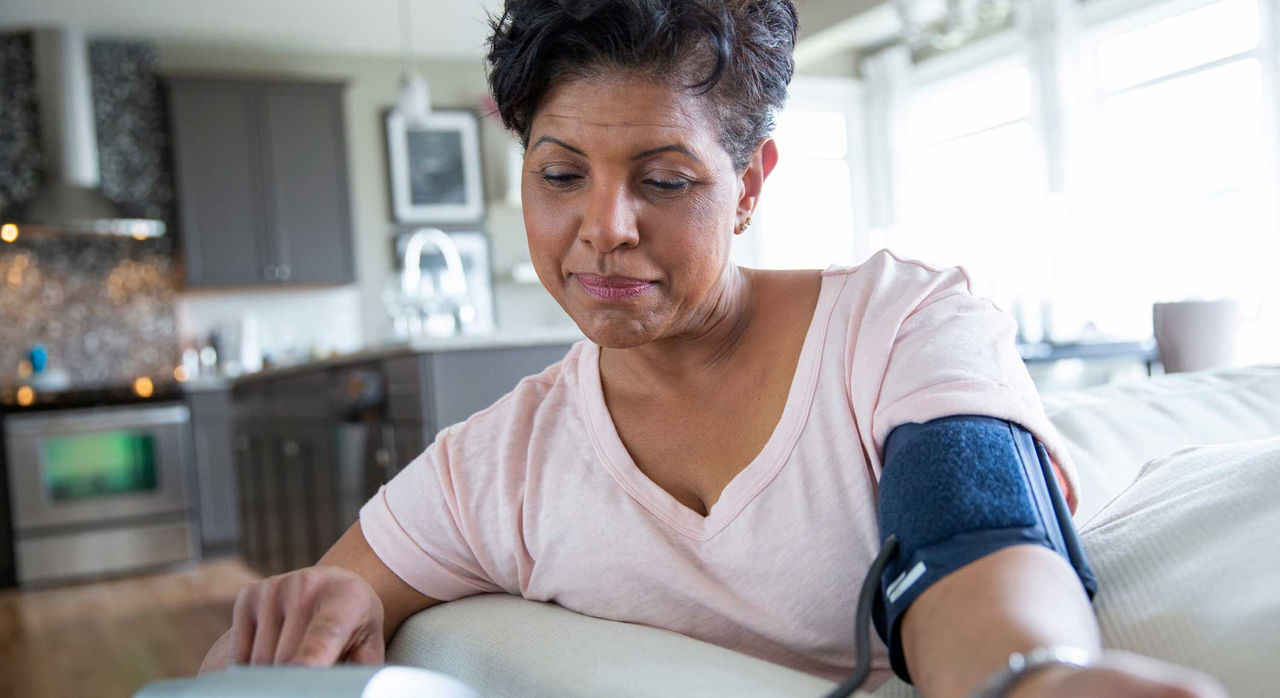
x=956, y=489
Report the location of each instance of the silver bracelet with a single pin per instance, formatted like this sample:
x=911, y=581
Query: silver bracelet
x=1022, y=665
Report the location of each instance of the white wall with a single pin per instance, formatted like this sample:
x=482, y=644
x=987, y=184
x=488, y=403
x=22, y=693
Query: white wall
x=320, y=320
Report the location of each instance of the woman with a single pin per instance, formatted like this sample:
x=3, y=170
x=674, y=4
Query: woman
x=707, y=462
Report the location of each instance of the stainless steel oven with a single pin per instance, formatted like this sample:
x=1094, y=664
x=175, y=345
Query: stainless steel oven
x=100, y=490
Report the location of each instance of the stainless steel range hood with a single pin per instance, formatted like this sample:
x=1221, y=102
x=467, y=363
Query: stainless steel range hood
x=70, y=200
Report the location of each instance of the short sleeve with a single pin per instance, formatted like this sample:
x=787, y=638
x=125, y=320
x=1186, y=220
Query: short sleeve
x=418, y=528
x=954, y=353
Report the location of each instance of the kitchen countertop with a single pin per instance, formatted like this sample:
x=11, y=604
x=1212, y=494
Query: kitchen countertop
x=420, y=345
x=205, y=384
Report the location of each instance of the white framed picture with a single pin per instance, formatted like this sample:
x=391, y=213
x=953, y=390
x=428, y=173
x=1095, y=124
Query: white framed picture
x=435, y=168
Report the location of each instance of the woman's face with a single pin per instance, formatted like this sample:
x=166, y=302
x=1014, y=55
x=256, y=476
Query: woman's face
x=630, y=203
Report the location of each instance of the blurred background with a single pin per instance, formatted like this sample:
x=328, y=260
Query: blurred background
x=254, y=254
x=1082, y=160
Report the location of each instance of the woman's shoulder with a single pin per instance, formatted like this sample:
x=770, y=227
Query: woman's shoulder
x=884, y=281
x=886, y=266
x=885, y=272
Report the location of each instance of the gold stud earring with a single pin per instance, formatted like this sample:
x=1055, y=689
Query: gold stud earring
x=742, y=227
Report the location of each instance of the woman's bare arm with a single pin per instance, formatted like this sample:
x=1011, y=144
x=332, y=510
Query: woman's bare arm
x=963, y=629
x=399, y=600
x=346, y=607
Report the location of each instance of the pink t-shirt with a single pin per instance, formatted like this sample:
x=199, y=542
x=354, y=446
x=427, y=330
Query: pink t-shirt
x=537, y=496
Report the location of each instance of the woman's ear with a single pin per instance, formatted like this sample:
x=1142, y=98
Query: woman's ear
x=762, y=163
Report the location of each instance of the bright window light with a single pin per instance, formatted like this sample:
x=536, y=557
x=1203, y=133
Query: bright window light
x=1195, y=135
x=974, y=186
x=1174, y=195
x=1220, y=30
x=805, y=216
x=969, y=105
x=812, y=134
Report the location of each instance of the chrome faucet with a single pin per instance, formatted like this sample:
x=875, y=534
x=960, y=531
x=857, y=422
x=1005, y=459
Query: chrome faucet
x=453, y=282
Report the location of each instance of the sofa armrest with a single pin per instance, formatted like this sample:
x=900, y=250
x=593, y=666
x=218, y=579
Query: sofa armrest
x=506, y=646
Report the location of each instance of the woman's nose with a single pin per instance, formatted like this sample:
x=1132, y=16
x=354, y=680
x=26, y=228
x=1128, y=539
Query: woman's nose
x=609, y=221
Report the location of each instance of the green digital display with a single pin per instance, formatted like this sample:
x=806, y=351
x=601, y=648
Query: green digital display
x=103, y=464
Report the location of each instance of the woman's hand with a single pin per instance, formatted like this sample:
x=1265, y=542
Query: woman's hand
x=343, y=609
x=1121, y=674
x=315, y=616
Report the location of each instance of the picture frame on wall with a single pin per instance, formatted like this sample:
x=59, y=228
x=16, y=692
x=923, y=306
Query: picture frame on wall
x=435, y=168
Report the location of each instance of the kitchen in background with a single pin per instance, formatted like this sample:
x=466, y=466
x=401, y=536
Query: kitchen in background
x=220, y=351
x=101, y=306
x=96, y=438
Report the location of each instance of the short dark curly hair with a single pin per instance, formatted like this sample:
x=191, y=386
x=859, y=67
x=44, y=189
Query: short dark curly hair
x=737, y=52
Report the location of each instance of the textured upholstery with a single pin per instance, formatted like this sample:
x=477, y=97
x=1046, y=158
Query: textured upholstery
x=1190, y=555
x=1111, y=431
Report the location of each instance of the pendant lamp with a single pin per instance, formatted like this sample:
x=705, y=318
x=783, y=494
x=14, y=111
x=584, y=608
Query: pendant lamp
x=414, y=100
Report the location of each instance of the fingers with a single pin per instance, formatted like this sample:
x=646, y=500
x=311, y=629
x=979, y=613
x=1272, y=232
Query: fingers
x=327, y=638
x=314, y=617
x=242, y=626
x=297, y=613
x=268, y=621
x=369, y=650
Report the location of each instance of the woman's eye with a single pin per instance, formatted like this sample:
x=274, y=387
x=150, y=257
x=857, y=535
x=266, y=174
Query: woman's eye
x=668, y=184
x=560, y=179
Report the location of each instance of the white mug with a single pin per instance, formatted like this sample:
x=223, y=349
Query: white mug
x=1196, y=335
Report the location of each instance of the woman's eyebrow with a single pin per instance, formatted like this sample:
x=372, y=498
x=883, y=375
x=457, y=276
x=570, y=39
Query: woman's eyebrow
x=639, y=156
x=664, y=149
x=557, y=141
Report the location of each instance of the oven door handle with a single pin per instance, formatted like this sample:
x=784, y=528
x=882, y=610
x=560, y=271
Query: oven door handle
x=385, y=455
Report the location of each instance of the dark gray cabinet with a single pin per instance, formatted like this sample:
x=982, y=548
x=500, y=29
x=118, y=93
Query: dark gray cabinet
x=289, y=456
x=214, y=462
x=428, y=392
x=261, y=173
x=312, y=445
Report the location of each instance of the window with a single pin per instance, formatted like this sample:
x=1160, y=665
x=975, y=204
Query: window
x=806, y=215
x=1080, y=175
x=973, y=182
x=1172, y=187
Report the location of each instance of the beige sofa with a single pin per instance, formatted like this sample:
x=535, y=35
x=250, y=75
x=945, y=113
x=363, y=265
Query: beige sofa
x=1185, y=542
x=506, y=646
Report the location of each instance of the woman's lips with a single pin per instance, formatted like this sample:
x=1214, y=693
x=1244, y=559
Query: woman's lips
x=613, y=288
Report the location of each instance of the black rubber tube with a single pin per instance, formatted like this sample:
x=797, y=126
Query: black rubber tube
x=862, y=622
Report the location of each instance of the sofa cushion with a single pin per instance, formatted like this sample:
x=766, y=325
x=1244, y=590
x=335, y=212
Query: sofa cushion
x=506, y=646
x=1188, y=563
x=1112, y=430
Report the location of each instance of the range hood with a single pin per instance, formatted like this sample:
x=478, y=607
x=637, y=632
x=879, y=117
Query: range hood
x=70, y=200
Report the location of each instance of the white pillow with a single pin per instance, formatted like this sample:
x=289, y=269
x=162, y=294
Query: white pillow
x=1188, y=563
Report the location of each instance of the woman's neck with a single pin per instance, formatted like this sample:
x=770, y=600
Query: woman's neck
x=696, y=354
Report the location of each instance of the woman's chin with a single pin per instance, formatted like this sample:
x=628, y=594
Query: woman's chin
x=615, y=333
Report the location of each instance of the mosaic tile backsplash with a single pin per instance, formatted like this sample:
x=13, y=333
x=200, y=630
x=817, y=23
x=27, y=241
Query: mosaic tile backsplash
x=104, y=308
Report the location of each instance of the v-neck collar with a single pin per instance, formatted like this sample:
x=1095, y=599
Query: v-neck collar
x=752, y=479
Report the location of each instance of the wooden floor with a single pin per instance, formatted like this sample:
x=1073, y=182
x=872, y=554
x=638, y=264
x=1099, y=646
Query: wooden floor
x=109, y=638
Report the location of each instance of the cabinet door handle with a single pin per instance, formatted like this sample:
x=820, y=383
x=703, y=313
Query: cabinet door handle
x=383, y=458
x=283, y=272
x=271, y=273
x=291, y=449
